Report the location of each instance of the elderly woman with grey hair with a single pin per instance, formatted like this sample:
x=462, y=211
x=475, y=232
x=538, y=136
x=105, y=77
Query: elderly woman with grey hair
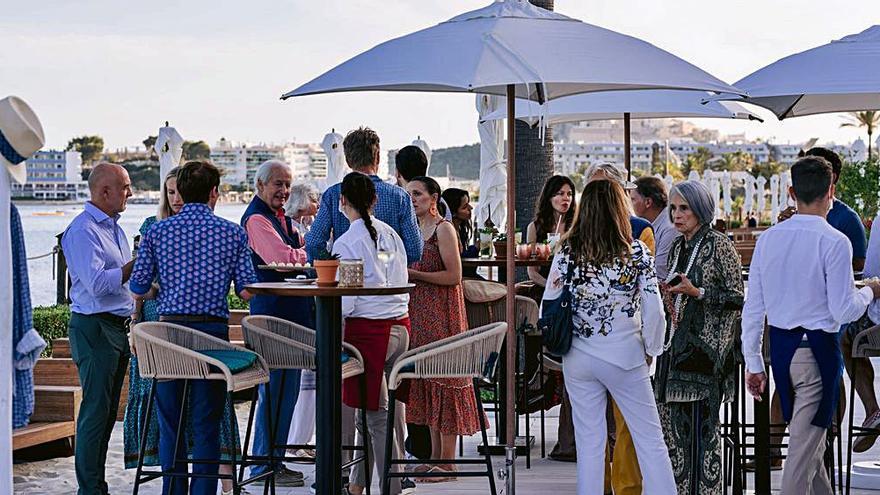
x=302, y=206
x=695, y=374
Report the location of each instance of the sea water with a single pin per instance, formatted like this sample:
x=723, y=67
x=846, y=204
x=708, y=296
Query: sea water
x=42, y=222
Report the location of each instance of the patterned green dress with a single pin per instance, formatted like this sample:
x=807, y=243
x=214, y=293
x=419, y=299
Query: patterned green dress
x=696, y=374
x=136, y=409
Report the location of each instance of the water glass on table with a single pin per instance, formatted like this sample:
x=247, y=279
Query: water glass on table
x=385, y=251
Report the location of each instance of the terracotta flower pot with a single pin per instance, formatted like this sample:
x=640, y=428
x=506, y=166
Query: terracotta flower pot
x=326, y=272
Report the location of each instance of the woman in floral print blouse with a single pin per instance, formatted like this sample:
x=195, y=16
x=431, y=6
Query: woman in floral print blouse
x=617, y=322
x=695, y=373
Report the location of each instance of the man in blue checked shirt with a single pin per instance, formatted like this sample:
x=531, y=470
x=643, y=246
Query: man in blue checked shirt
x=195, y=255
x=393, y=205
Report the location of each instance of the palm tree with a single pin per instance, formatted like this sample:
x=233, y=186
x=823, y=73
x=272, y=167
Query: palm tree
x=869, y=119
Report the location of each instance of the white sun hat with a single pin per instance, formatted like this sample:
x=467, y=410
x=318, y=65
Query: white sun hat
x=21, y=135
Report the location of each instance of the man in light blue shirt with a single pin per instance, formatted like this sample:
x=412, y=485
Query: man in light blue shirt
x=99, y=262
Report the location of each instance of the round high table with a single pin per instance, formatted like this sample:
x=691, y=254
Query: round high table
x=328, y=340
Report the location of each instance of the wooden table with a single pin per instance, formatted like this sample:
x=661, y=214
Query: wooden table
x=328, y=303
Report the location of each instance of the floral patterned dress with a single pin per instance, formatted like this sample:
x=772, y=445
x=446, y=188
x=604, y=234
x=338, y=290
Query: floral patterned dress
x=437, y=312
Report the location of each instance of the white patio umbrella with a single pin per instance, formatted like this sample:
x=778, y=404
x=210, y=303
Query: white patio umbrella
x=841, y=76
x=336, y=165
x=515, y=49
x=493, y=168
x=169, y=147
x=423, y=145
x=610, y=105
x=858, y=151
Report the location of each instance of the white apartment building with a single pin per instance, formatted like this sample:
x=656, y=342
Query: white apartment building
x=53, y=175
x=569, y=157
x=239, y=162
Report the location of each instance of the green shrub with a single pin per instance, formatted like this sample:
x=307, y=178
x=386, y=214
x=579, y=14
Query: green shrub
x=51, y=323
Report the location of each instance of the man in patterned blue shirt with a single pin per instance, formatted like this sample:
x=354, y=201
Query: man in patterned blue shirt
x=393, y=205
x=195, y=255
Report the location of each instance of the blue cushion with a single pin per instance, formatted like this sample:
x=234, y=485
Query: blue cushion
x=236, y=361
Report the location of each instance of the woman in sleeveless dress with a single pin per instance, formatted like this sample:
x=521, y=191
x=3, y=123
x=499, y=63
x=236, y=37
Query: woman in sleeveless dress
x=447, y=406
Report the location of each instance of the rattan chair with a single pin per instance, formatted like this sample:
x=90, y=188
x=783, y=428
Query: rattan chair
x=471, y=354
x=173, y=352
x=289, y=346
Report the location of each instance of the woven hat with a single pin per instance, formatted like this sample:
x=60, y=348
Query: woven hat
x=21, y=135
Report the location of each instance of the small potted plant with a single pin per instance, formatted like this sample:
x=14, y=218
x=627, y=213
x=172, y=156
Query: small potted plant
x=326, y=265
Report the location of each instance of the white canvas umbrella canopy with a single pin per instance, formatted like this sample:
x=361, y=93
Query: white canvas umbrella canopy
x=842, y=76
x=336, y=165
x=610, y=105
x=169, y=147
x=515, y=49
x=493, y=168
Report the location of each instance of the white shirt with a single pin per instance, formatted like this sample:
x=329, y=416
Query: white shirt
x=800, y=276
x=872, y=267
x=356, y=243
x=664, y=234
x=617, y=312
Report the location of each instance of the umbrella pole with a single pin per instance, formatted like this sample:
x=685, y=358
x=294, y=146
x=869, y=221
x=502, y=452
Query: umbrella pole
x=627, y=154
x=510, y=458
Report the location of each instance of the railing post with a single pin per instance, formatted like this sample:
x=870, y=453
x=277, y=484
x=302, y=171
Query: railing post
x=61, y=278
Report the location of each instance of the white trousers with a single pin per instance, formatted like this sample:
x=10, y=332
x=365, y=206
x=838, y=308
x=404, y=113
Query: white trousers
x=587, y=380
x=302, y=427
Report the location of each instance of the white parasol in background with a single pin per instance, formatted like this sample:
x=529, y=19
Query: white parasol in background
x=493, y=168
x=337, y=168
x=169, y=147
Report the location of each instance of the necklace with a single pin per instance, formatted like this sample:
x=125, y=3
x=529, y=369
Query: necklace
x=679, y=298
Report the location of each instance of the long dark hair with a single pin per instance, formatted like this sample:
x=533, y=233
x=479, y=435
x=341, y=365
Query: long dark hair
x=454, y=198
x=433, y=188
x=602, y=231
x=544, y=222
x=360, y=192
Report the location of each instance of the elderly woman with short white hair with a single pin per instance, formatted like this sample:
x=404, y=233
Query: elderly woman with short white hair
x=302, y=206
x=695, y=374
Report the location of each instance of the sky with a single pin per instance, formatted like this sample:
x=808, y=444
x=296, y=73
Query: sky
x=217, y=69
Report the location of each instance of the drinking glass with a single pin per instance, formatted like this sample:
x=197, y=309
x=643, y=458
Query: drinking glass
x=386, y=251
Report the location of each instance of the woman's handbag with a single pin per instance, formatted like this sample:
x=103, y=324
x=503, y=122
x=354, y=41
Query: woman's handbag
x=555, y=322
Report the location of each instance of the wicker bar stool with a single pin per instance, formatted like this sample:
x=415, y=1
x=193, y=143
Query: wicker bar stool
x=472, y=354
x=173, y=352
x=289, y=346
x=866, y=344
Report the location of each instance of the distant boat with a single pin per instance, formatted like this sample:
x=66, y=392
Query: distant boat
x=56, y=213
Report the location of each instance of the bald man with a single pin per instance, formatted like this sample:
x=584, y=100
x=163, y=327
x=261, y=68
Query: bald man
x=99, y=262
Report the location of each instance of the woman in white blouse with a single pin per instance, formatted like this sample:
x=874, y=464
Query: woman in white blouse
x=368, y=319
x=617, y=325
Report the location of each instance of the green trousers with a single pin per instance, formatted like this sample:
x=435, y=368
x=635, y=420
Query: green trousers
x=100, y=350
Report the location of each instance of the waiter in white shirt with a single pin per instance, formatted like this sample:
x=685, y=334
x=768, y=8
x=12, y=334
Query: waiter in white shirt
x=801, y=278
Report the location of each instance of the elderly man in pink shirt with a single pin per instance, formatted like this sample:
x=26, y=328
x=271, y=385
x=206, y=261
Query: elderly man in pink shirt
x=273, y=238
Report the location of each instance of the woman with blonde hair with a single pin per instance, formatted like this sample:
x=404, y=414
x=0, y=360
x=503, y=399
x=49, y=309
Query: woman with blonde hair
x=617, y=320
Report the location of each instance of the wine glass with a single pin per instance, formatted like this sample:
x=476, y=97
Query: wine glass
x=386, y=252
